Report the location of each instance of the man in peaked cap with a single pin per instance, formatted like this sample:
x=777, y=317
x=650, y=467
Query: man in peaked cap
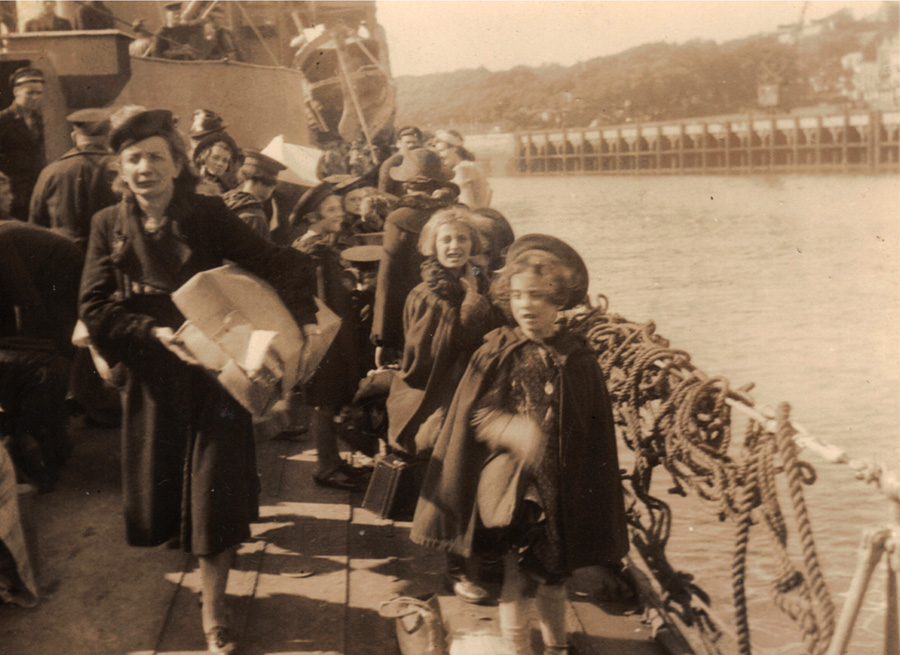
x=22, y=137
x=257, y=178
x=69, y=191
x=76, y=186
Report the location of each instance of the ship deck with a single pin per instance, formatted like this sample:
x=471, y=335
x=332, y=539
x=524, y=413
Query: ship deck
x=310, y=580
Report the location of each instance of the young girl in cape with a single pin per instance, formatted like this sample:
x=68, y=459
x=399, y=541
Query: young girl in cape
x=525, y=465
x=445, y=319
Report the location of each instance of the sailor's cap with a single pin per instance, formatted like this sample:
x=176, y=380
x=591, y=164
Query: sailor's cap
x=450, y=137
x=25, y=75
x=363, y=254
x=89, y=115
x=261, y=163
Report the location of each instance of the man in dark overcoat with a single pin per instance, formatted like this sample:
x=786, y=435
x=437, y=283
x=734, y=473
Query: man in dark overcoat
x=76, y=186
x=39, y=277
x=94, y=15
x=22, y=137
x=399, y=272
x=68, y=193
x=47, y=20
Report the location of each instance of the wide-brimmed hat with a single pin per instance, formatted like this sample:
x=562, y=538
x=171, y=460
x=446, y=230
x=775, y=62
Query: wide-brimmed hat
x=344, y=184
x=140, y=126
x=565, y=253
x=205, y=121
x=310, y=201
x=419, y=165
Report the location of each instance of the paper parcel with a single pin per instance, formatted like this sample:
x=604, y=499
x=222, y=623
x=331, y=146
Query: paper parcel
x=240, y=331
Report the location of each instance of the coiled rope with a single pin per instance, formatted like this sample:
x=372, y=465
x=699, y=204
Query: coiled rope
x=672, y=415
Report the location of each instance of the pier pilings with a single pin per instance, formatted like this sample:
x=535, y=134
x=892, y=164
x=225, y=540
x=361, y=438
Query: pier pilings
x=849, y=142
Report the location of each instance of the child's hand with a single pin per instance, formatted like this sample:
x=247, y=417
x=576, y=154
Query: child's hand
x=469, y=283
x=520, y=435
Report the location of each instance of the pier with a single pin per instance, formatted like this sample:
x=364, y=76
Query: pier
x=851, y=142
x=310, y=581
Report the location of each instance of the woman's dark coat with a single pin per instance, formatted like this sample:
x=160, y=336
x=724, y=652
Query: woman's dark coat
x=187, y=447
x=591, y=499
x=398, y=273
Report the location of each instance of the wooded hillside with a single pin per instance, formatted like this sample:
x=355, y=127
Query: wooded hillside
x=655, y=81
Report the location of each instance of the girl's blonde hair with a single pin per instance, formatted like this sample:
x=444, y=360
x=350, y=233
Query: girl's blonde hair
x=455, y=214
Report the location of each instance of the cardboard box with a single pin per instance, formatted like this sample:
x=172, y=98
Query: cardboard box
x=238, y=329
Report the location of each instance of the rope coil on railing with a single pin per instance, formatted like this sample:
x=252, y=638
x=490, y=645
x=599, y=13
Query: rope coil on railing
x=674, y=416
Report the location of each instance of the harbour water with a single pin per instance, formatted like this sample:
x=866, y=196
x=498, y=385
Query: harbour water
x=792, y=283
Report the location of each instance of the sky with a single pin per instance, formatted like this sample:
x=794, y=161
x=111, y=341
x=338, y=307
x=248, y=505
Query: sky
x=431, y=36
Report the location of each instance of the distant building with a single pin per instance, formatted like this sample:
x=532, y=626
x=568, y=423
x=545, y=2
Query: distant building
x=876, y=73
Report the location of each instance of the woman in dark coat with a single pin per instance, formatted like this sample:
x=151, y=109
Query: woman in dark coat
x=525, y=465
x=187, y=448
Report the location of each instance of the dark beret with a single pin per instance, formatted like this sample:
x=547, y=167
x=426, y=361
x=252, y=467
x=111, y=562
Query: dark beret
x=140, y=126
x=566, y=254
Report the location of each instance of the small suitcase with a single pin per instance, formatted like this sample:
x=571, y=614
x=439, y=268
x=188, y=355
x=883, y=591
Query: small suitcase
x=394, y=488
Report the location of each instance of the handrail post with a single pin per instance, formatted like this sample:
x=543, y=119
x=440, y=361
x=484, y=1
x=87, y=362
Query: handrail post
x=871, y=549
x=892, y=613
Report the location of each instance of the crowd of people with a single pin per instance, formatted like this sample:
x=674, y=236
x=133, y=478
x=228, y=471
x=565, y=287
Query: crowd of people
x=504, y=407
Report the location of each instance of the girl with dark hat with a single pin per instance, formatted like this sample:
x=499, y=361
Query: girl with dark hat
x=215, y=159
x=331, y=387
x=533, y=417
x=188, y=461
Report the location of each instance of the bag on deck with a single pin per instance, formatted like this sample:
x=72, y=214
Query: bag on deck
x=420, y=629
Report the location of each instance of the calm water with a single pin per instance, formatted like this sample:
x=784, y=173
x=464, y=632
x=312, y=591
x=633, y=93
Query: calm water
x=792, y=283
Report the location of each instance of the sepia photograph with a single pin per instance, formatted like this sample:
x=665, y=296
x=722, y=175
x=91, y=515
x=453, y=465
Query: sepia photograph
x=450, y=327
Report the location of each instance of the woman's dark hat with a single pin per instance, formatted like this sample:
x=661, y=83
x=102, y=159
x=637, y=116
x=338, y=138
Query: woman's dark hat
x=310, y=201
x=213, y=138
x=205, y=121
x=562, y=251
x=344, y=184
x=140, y=126
x=419, y=165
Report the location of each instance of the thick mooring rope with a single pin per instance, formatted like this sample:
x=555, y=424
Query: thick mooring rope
x=672, y=415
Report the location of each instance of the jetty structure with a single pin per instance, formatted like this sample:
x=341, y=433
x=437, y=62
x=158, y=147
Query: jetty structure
x=752, y=144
